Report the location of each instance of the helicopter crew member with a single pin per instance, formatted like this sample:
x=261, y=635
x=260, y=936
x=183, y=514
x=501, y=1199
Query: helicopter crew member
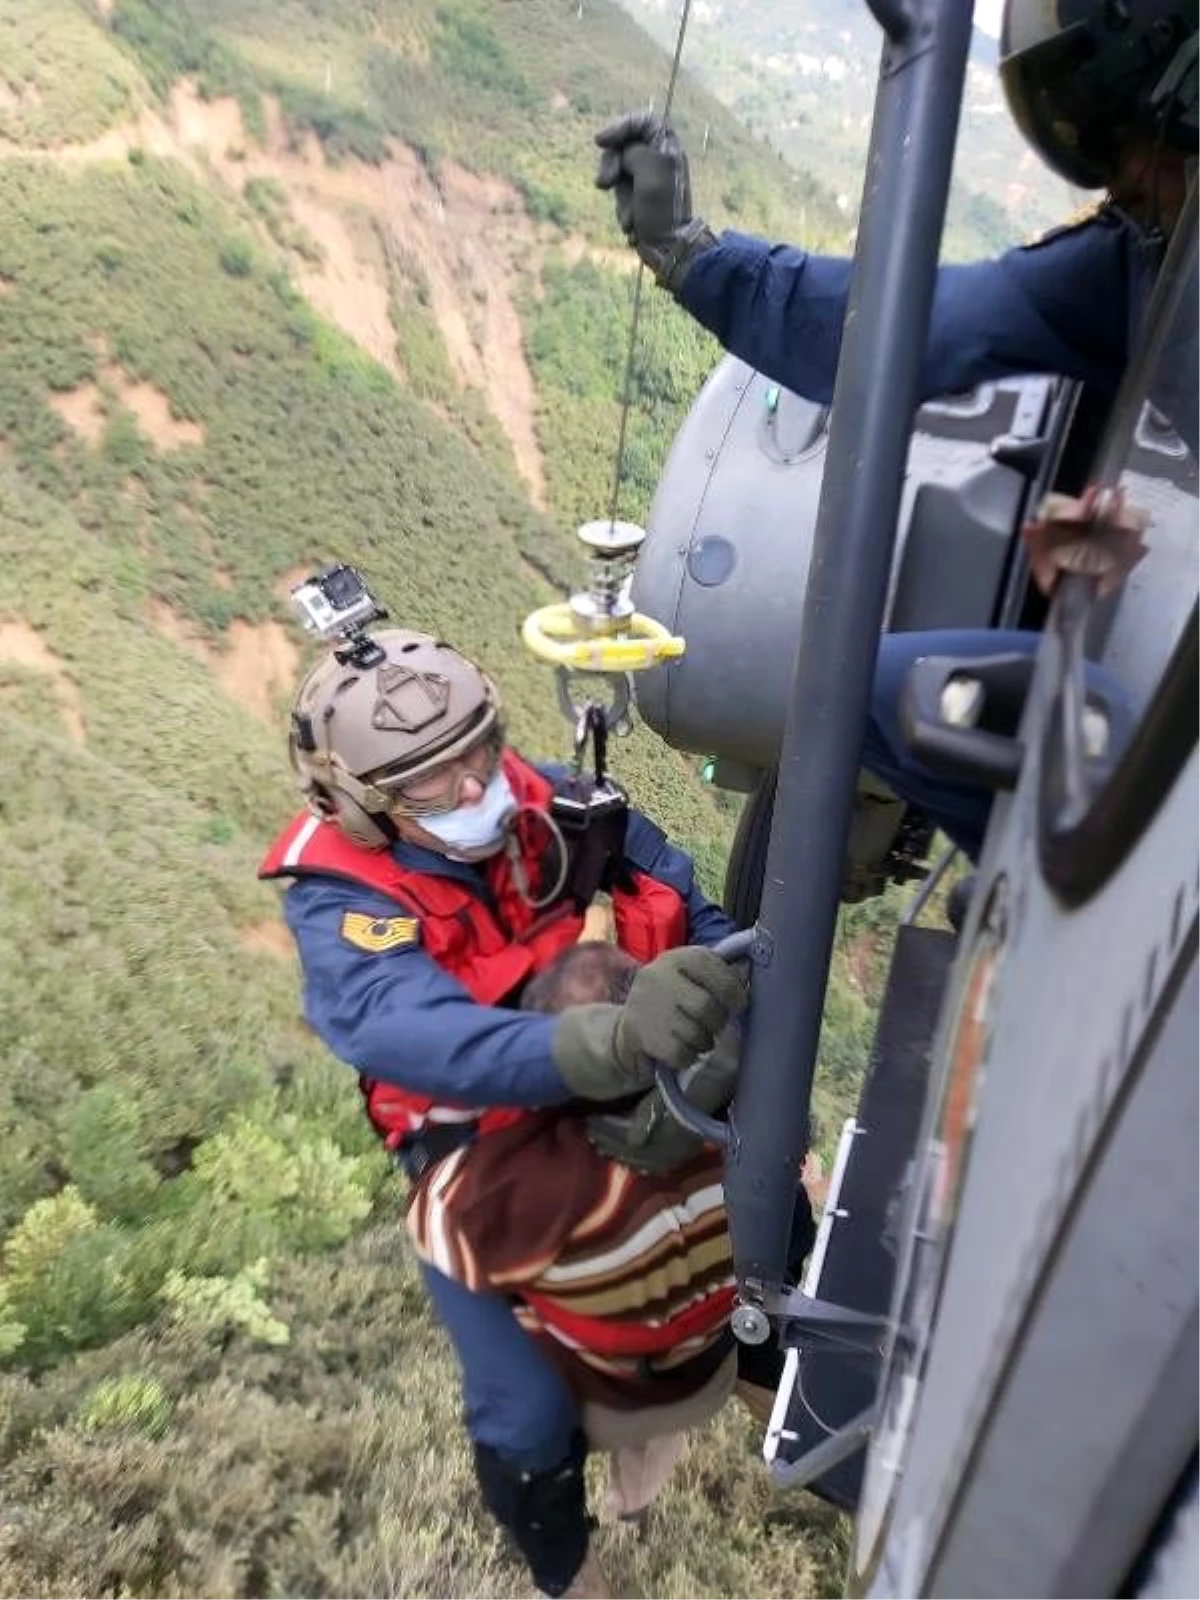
x=425, y=893
x=1106, y=95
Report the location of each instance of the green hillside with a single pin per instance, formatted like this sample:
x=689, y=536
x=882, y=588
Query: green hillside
x=283, y=281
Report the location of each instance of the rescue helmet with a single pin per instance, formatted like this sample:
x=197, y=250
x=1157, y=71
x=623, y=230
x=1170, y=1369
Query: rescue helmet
x=360, y=734
x=1081, y=76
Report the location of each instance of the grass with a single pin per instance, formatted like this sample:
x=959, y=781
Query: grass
x=516, y=90
x=332, y=1466
x=578, y=344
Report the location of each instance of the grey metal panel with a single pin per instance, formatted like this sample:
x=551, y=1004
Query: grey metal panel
x=1110, y=1347
x=729, y=540
x=1076, y=994
x=957, y=549
x=727, y=480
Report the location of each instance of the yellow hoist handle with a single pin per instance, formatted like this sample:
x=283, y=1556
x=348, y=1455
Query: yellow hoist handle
x=553, y=634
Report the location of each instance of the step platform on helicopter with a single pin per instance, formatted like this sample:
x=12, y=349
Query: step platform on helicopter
x=818, y=1428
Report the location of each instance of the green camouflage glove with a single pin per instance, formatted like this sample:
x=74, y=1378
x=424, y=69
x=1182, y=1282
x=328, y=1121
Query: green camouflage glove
x=645, y=166
x=649, y=1138
x=678, y=1004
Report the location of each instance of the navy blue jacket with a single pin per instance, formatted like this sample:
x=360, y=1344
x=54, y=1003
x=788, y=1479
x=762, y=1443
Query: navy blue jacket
x=398, y=1016
x=1064, y=305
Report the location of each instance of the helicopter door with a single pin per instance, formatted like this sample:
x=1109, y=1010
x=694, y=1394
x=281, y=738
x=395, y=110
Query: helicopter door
x=1038, y=1413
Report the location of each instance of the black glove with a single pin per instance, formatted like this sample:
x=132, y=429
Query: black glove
x=677, y=1005
x=644, y=164
x=649, y=1138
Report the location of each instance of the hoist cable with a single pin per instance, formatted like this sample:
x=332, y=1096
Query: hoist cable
x=630, y=355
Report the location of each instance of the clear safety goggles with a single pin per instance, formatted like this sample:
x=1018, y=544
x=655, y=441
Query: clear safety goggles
x=440, y=788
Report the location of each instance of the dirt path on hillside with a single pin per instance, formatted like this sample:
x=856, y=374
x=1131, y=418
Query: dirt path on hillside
x=147, y=132
x=257, y=664
x=463, y=236
x=82, y=409
x=268, y=938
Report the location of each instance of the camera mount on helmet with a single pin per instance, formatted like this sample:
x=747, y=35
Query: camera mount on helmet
x=336, y=603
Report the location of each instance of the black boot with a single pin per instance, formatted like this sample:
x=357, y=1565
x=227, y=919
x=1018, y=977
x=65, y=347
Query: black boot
x=545, y=1512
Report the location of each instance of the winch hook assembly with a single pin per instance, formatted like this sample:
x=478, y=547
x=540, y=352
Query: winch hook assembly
x=597, y=629
x=597, y=635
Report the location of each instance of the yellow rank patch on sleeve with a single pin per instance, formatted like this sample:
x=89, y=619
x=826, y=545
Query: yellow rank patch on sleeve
x=377, y=934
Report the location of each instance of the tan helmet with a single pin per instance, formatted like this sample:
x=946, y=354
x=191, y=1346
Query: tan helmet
x=358, y=733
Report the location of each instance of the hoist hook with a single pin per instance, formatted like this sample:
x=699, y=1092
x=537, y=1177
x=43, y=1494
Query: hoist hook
x=597, y=629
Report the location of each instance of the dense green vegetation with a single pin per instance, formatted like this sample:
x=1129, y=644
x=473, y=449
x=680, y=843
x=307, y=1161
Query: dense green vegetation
x=309, y=446
x=516, y=93
x=186, y=1462
x=219, y=1375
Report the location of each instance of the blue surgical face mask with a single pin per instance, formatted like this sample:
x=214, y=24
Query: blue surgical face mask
x=469, y=830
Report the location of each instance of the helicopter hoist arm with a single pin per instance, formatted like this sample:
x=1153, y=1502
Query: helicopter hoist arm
x=597, y=634
x=592, y=635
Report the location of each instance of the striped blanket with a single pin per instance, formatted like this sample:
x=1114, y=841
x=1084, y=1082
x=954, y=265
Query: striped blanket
x=625, y=1277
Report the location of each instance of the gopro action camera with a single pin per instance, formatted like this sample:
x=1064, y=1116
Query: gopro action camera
x=336, y=604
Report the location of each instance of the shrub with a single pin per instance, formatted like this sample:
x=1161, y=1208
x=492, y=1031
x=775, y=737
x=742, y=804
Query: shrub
x=237, y=258
x=12, y=1332
x=220, y=1305
x=64, y=1282
x=103, y=1144
x=130, y=1401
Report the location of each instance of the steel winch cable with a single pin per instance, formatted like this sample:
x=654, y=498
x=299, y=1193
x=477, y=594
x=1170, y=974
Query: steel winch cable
x=631, y=352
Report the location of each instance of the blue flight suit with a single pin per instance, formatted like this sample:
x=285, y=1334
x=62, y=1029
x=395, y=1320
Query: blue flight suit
x=398, y=1016
x=960, y=810
x=1063, y=305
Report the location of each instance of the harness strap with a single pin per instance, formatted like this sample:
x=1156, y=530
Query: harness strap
x=417, y=1152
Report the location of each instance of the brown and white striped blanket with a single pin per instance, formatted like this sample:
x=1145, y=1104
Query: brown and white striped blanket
x=625, y=1277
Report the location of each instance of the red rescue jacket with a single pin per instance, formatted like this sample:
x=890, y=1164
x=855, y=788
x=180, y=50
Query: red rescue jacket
x=491, y=951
